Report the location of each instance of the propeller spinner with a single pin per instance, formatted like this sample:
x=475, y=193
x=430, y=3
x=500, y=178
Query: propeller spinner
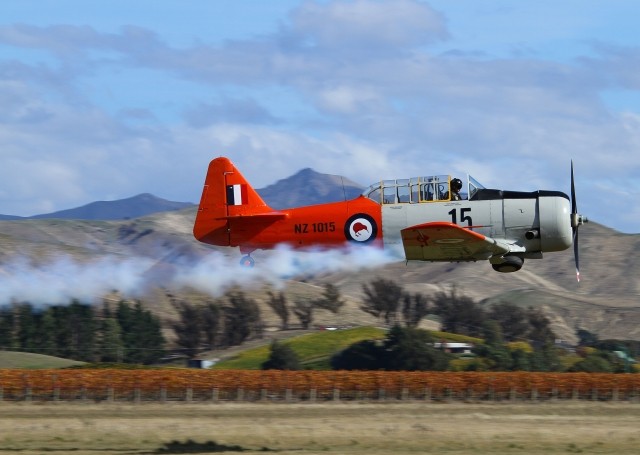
x=576, y=221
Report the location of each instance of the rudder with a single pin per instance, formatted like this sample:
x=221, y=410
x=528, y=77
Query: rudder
x=226, y=194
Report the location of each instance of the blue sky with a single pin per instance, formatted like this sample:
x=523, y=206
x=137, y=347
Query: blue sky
x=107, y=99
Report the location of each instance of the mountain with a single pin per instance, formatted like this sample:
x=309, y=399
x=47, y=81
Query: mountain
x=133, y=207
x=10, y=217
x=308, y=187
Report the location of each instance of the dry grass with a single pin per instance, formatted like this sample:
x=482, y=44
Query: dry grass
x=340, y=428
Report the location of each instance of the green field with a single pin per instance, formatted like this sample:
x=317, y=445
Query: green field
x=28, y=360
x=314, y=349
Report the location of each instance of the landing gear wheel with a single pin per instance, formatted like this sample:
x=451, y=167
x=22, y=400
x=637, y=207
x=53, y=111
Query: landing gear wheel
x=510, y=264
x=247, y=261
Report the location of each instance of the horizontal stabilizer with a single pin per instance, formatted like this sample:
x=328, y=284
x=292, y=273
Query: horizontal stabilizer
x=267, y=215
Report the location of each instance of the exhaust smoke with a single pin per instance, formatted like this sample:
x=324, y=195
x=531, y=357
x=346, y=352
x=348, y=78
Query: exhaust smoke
x=64, y=278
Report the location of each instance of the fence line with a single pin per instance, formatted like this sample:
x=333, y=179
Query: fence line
x=183, y=385
x=189, y=394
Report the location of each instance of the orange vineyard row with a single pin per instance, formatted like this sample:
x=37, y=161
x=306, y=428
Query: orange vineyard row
x=15, y=383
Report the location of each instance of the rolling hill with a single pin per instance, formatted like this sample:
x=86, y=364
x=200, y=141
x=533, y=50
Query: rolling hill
x=122, y=209
x=606, y=302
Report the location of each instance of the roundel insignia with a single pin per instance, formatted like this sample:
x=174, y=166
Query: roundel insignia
x=360, y=228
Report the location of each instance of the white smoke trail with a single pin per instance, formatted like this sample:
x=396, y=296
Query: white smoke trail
x=216, y=273
x=64, y=279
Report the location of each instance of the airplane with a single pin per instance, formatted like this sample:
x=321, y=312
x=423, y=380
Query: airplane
x=431, y=218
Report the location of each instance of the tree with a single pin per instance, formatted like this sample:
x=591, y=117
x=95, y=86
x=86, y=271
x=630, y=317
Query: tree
x=330, y=300
x=520, y=360
x=242, y=319
x=141, y=333
x=211, y=316
x=49, y=328
x=25, y=326
x=415, y=307
x=593, y=363
x=382, y=299
x=363, y=355
x=81, y=329
x=540, y=332
x=148, y=339
x=412, y=349
x=67, y=331
x=55, y=338
x=282, y=357
x=512, y=319
x=497, y=355
x=303, y=309
x=6, y=328
x=110, y=345
x=587, y=338
x=197, y=327
x=459, y=314
x=403, y=349
x=188, y=328
x=278, y=304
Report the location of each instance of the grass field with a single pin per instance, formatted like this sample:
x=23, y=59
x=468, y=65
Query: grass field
x=28, y=360
x=313, y=349
x=339, y=428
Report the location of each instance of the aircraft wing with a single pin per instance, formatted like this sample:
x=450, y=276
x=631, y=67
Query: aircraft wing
x=442, y=241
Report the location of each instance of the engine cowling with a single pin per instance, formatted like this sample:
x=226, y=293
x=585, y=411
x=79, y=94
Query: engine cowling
x=555, y=222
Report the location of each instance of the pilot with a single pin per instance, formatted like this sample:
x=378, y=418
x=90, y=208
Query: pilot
x=456, y=186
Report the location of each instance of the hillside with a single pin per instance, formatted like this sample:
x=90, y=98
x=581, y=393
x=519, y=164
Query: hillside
x=28, y=360
x=133, y=207
x=148, y=255
x=605, y=302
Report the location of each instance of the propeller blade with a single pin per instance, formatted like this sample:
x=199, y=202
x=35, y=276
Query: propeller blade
x=575, y=223
x=575, y=253
x=574, y=204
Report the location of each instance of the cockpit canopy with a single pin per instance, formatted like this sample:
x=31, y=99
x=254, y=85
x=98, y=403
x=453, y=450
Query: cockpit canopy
x=435, y=188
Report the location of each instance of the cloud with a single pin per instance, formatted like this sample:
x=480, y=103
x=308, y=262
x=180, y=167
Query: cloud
x=346, y=100
x=229, y=110
x=364, y=26
x=368, y=89
x=620, y=63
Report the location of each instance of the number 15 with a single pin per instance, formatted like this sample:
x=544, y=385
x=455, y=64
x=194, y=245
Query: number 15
x=463, y=217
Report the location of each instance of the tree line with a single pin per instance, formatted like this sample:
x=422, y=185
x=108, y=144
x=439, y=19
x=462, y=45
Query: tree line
x=79, y=331
x=236, y=318
x=515, y=338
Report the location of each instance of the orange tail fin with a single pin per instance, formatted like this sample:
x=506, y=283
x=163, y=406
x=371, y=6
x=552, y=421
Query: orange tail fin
x=226, y=195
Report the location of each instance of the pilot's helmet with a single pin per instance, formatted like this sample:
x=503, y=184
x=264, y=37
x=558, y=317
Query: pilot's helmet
x=456, y=184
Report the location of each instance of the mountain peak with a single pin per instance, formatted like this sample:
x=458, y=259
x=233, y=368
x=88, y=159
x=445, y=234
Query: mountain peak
x=306, y=171
x=309, y=187
x=132, y=207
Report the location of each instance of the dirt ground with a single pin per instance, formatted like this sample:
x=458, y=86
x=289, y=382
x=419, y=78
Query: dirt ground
x=340, y=428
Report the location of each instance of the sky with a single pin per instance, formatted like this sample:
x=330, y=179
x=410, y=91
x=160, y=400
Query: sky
x=104, y=100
